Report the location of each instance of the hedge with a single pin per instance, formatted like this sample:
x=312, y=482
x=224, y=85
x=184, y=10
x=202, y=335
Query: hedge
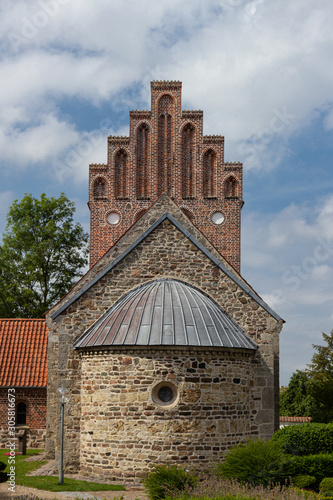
x=306, y=439
x=319, y=466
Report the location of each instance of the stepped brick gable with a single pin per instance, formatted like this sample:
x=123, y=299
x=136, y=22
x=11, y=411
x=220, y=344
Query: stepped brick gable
x=166, y=152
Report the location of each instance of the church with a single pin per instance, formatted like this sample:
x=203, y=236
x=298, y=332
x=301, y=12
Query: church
x=167, y=353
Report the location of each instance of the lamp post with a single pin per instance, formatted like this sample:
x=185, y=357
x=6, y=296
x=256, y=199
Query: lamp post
x=62, y=391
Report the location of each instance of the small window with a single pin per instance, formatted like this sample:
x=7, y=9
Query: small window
x=165, y=394
x=21, y=414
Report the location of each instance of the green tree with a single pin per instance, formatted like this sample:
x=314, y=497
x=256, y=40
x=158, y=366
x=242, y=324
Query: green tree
x=321, y=380
x=295, y=401
x=310, y=392
x=42, y=254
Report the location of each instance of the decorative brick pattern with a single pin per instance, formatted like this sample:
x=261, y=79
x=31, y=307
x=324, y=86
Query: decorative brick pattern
x=166, y=151
x=188, y=151
x=142, y=156
x=209, y=167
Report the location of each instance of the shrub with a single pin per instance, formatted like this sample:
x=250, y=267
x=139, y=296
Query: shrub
x=326, y=484
x=255, y=462
x=320, y=466
x=168, y=480
x=304, y=481
x=306, y=439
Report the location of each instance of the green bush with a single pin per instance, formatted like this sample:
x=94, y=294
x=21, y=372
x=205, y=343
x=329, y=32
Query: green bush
x=168, y=480
x=327, y=495
x=255, y=462
x=320, y=466
x=306, y=439
x=326, y=484
x=304, y=481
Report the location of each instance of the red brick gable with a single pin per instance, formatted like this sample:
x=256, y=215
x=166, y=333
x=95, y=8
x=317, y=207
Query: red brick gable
x=166, y=152
x=23, y=353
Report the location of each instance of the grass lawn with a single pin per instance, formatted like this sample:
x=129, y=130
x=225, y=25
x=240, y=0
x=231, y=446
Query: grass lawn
x=50, y=483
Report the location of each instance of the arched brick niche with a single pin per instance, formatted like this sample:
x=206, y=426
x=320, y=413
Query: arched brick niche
x=209, y=173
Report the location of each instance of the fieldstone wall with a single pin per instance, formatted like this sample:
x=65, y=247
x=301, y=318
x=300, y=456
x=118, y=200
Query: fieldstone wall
x=164, y=253
x=124, y=431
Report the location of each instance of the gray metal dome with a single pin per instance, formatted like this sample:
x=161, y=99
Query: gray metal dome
x=166, y=312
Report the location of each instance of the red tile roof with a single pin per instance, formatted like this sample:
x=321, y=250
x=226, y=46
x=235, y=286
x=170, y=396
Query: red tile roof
x=23, y=353
x=295, y=419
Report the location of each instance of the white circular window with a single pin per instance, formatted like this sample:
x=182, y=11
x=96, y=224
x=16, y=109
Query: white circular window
x=113, y=218
x=217, y=218
x=165, y=394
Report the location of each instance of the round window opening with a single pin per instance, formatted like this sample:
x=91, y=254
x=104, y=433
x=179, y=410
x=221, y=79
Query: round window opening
x=165, y=394
x=218, y=218
x=113, y=218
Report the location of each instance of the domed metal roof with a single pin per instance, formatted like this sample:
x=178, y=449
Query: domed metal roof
x=166, y=312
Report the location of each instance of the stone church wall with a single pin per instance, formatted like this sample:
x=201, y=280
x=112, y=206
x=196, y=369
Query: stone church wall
x=125, y=429
x=165, y=253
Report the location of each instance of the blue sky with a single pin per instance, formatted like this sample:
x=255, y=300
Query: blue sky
x=262, y=73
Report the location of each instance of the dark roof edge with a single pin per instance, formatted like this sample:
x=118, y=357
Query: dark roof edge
x=157, y=347
x=186, y=233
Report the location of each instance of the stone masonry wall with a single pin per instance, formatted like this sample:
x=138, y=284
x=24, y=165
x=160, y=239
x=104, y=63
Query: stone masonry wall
x=124, y=432
x=165, y=253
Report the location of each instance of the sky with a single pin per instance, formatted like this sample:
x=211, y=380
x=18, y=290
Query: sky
x=262, y=72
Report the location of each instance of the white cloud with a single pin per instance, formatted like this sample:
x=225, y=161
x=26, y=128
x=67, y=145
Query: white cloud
x=289, y=261
x=249, y=64
x=36, y=143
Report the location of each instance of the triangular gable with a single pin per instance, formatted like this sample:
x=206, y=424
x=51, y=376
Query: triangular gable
x=187, y=234
x=163, y=204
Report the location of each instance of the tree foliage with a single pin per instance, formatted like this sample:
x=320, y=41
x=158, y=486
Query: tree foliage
x=296, y=401
x=321, y=380
x=42, y=254
x=310, y=392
